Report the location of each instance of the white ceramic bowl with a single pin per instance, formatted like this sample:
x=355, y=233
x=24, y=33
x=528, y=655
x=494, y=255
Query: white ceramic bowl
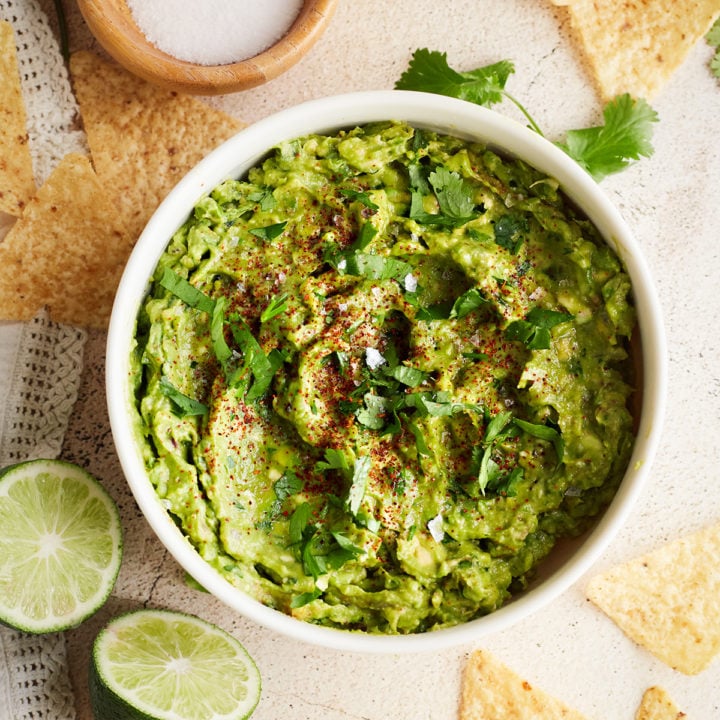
x=571, y=559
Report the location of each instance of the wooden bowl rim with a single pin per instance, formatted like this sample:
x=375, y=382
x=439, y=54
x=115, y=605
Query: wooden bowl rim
x=113, y=26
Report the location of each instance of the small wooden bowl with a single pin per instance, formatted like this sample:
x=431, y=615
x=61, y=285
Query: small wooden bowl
x=112, y=24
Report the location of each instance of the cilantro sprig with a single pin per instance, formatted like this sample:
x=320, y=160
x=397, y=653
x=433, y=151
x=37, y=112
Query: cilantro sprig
x=429, y=71
x=624, y=136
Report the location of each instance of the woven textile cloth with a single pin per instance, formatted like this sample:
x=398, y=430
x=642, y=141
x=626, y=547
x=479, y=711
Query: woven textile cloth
x=40, y=362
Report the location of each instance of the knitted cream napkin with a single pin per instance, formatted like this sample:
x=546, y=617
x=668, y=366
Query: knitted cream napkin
x=40, y=362
x=40, y=369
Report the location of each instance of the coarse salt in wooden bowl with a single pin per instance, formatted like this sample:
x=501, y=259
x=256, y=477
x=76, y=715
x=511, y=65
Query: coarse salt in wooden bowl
x=113, y=25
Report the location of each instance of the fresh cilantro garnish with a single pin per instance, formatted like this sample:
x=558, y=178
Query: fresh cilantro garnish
x=361, y=470
x=454, y=195
x=334, y=460
x=217, y=332
x=184, y=406
x=264, y=198
x=276, y=306
x=305, y=598
x=254, y=376
x=407, y=375
x=373, y=267
x=269, y=232
x=624, y=136
x=544, y=432
x=360, y=196
x=534, y=330
x=476, y=356
x=317, y=548
x=257, y=367
x=496, y=431
x=429, y=71
x=365, y=236
x=372, y=414
x=510, y=231
x=286, y=485
x=602, y=150
x=470, y=300
x=491, y=476
x=187, y=292
x=713, y=39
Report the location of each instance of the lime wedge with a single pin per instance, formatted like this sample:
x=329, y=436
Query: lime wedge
x=60, y=545
x=167, y=665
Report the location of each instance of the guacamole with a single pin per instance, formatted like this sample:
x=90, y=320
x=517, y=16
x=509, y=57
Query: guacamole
x=377, y=378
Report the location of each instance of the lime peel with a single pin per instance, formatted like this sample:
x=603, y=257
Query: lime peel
x=168, y=665
x=60, y=546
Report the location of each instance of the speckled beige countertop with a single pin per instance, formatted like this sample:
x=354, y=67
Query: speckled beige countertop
x=672, y=203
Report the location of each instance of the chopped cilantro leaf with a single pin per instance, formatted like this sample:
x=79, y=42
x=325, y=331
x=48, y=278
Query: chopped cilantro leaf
x=624, y=136
x=408, y=375
x=418, y=214
x=496, y=430
x=374, y=267
x=298, y=523
x=334, y=460
x=544, y=432
x=453, y=193
x=286, y=485
x=372, y=413
x=305, y=598
x=361, y=470
x=367, y=232
x=269, y=232
x=217, y=332
x=262, y=367
x=463, y=305
x=276, y=306
x=466, y=303
x=360, y=196
x=534, y=330
x=184, y=406
x=510, y=230
x=187, y=292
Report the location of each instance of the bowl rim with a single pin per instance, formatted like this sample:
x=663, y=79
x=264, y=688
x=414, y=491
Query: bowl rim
x=328, y=114
x=116, y=31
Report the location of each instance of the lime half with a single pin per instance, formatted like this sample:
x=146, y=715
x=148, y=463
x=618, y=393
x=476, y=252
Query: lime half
x=166, y=665
x=60, y=545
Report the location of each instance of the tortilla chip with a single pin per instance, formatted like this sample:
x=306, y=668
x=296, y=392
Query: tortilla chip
x=491, y=691
x=636, y=45
x=142, y=139
x=657, y=705
x=17, y=185
x=668, y=601
x=66, y=252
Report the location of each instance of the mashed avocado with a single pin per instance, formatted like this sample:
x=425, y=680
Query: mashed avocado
x=377, y=378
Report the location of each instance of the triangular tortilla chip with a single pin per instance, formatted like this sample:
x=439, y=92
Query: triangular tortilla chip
x=658, y=705
x=17, y=185
x=668, y=601
x=636, y=45
x=66, y=252
x=142, y=139
x=491, y=691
